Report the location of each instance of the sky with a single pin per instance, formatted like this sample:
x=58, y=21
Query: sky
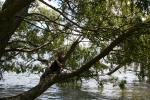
x=51, y=2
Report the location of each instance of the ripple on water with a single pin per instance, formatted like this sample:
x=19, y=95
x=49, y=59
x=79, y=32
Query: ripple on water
x=17, y=83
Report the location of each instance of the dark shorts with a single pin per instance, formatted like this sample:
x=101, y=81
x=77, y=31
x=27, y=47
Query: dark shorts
x=49, y=71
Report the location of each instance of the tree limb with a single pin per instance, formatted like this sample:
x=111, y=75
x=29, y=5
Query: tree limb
x=8, y=22
x=131, y=31
x=114, y=70
x=45, y=83
x=26, y=50
x=42, y=1
x=14, y=8
x=71, y=50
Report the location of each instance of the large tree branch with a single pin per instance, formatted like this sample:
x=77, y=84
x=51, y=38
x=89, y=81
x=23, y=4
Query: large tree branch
x=35, y=91
x=45, y=83
x=131, y=31
x=14, y=8
x=8, y=22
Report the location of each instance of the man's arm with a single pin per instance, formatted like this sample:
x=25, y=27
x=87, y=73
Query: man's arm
x=60, y=64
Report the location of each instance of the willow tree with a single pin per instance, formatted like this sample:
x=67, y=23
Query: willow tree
x=90, y=32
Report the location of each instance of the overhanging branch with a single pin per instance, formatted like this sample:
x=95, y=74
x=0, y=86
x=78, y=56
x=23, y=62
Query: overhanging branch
x=113, y=70
x=131, y=31
x=26, y=50
x=9, y=24
x=61, y=13
x=71, y=50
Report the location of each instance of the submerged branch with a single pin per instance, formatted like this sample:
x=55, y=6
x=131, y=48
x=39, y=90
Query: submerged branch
x=45, y=83
x=130, y=32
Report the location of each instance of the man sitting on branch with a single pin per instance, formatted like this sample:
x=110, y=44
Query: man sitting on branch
x=56, y=67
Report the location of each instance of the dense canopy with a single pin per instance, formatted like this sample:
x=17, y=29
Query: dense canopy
x=95, y=35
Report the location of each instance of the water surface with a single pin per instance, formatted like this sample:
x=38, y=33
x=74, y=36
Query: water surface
x=14, y=84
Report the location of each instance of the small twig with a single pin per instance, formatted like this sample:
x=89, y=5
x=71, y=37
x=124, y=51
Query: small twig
x=114, y=70
x=71, y=50
x=26, y=50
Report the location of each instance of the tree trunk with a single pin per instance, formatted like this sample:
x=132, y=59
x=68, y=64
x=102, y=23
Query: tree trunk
x=36, y=91
x=8, y=24
x=9, y=21
x=44, y=84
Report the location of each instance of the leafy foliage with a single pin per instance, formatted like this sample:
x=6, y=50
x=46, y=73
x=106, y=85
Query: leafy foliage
x=98, y=22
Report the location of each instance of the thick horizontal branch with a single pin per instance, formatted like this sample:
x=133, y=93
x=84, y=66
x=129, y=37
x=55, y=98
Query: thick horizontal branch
x=44, y=84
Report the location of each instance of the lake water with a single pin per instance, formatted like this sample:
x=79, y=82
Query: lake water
x=17, y=83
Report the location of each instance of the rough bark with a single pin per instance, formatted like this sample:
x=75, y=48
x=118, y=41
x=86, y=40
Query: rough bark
x=9, y=21
x=44, y=84
x=33, y=93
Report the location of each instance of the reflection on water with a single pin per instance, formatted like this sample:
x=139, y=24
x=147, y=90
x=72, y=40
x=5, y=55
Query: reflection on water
x=17, y=83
